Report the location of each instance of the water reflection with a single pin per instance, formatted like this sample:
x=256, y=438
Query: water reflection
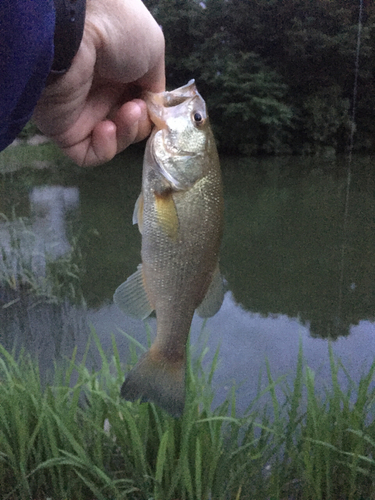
x=49, y=331
x=286, y=233
x=26, y=243
x=33, y=315
x=245, y=341
x=49, y=206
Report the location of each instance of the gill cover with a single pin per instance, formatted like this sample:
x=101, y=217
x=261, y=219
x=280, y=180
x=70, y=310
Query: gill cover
x=179, y=146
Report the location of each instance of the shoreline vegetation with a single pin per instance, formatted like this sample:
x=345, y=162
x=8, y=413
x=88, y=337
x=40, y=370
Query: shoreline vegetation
x=64, y=440
x=277, y=76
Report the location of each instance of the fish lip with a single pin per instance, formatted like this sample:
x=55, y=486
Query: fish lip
x=157, y=102
x=155, y=108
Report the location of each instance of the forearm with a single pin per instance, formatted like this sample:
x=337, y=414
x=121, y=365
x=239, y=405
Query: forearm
x=38, y=39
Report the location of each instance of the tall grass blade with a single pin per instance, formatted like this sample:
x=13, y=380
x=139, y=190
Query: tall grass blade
x=161, y=465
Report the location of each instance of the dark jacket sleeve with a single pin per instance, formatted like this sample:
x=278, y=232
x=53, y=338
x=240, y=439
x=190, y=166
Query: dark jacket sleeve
x=26, y=55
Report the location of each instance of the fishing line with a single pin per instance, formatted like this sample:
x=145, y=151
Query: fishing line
x=350, y=158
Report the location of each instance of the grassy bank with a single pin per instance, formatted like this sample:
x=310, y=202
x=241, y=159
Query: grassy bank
x=83, y=442
x=24, y=155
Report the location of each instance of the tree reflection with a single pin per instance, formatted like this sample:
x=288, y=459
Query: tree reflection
x=283, y=246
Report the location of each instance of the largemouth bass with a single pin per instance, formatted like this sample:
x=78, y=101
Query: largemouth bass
x=180, y=216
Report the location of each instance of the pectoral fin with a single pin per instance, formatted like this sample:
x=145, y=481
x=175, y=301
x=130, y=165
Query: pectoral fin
x=167, y=214
x=214, y=296
x=131, y=296
x=138, y=213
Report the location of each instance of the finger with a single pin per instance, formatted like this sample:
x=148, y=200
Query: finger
x=132, y=122
x=99, y=147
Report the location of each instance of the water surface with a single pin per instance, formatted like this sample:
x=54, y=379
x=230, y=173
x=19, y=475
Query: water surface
x=295, y=271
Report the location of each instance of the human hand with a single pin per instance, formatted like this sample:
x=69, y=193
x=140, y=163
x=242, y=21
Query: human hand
x=95, y=109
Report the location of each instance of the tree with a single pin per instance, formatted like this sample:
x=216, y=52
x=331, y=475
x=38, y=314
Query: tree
x=278, y=75
x=246, y=104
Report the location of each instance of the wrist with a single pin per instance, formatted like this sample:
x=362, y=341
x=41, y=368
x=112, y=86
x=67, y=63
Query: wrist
x=69, y=24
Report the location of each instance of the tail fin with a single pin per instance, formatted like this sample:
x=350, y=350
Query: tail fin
x=157, y=380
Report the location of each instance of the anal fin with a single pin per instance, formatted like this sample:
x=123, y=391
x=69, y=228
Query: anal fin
x=214, y=296
x=131, y=296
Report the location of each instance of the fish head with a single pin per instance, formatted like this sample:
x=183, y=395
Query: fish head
x=183, y=136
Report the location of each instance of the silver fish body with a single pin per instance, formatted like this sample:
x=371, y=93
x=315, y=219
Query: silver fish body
x=180, y=216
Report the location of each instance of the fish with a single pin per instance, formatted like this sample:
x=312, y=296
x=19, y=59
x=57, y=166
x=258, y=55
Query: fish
x=180, y=217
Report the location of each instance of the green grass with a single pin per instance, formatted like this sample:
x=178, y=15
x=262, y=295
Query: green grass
x=81, y=441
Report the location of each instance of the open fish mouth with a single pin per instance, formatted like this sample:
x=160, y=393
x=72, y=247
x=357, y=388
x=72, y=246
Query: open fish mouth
x=158, y=102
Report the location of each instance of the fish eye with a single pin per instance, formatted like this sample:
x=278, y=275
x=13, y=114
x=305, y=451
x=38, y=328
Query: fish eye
x=198, y=118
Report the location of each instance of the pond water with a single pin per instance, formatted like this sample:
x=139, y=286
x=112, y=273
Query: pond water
x=295, y=270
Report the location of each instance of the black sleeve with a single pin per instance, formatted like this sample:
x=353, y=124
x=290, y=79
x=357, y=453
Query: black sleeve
x=70, y=20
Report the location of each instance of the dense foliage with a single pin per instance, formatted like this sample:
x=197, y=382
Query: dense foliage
x=278, y=75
